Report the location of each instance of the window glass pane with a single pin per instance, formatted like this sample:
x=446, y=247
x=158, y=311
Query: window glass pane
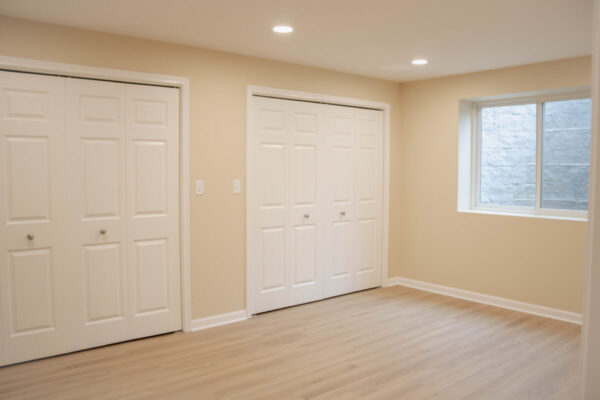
x=508, y=153
x=566, y=130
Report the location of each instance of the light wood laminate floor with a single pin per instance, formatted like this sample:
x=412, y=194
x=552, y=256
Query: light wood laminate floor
x=390, y=343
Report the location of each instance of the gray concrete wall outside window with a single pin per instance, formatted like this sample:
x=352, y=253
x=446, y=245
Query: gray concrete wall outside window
x=566, y=132
x=508, y=155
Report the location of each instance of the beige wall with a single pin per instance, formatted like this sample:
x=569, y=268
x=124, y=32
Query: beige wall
x=539, y=261
x=217, y=130
x=533, y=260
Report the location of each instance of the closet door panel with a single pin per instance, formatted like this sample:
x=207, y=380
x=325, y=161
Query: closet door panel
x=34, y=301
x=104, y=283
x=153, y=280
x=304, y=175
x=369, y=195
x=150, y=163
x=343, y=249
x=273, y=259
x=102, y=169
x=304, y=159
x=305, y=255
x=27, y=160
x=151, y=265
x=367, y=238
x=284, y=244
x=355, y=138
x=343, y=177
x=268, y=200
x=272, y=169
x=97, y=220
x=339, y=194
x=32, y=293
x=366, y=159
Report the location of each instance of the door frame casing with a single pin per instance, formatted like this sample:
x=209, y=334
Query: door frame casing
x=285, y=94
x=116, y=75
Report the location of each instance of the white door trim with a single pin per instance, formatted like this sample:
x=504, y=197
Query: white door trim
x=81, y=71
x=337, y=100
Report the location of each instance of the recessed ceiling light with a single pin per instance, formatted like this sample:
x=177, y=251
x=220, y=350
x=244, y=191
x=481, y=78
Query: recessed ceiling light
x=283, y=29
x=419, y=61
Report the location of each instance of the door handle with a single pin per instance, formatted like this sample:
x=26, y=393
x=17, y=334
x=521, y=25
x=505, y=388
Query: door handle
x=342, y=213
x=306, y=215
x=30, y=236
x=103, y=231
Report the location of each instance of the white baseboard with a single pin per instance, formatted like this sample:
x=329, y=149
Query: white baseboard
x=217, y=320
x=501, y=302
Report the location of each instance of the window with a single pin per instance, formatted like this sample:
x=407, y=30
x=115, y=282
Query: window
x=528, y=155
x=566, y=133
x=507, y=155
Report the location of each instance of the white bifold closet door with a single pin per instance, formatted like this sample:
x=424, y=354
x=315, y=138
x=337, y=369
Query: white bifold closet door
x=315, y=175
x=283, y=186
x=35, y=297
x=353, y=199
x=90, y=214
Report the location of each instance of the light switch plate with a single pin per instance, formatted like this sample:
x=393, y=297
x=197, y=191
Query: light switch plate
x=237, y=186
x=199, y=186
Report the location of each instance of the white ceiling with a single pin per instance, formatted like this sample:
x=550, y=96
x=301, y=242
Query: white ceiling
x=376, y=38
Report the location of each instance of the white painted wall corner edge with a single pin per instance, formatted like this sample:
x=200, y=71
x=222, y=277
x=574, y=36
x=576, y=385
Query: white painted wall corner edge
x=590, y=349
x=487, y=299
x=218, y=320
x=82, y=71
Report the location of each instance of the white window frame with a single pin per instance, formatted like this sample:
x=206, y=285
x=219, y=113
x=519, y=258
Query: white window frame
x=470, y=136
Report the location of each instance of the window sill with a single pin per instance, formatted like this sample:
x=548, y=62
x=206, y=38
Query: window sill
x=512, y=213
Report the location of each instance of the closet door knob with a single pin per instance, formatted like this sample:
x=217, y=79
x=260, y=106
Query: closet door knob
x=342, y=213
x=306, y=216
x=30, y=236
x=102, y=231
